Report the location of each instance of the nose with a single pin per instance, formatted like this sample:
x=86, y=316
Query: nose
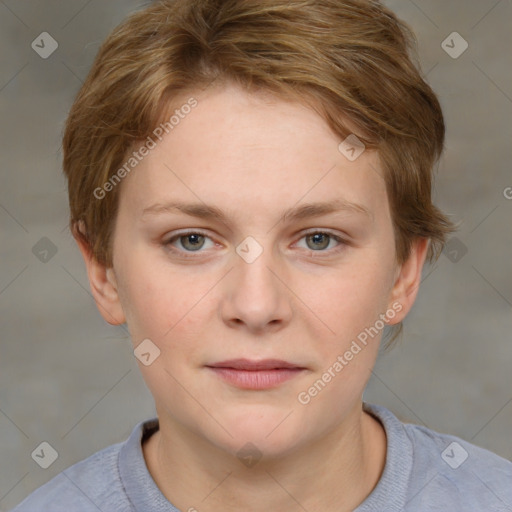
x=253, y=297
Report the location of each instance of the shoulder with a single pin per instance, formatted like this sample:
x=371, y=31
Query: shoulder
x=458, y=472
x=90, y=485
x=438, y=472
x=428, y=471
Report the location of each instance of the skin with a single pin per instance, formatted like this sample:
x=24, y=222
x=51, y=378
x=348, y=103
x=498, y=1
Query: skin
x=254, y=156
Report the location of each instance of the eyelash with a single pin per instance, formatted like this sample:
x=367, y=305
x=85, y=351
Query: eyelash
x=194, y=254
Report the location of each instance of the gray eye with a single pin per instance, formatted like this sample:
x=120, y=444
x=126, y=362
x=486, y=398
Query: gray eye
x=318, y=241
x=192, y=242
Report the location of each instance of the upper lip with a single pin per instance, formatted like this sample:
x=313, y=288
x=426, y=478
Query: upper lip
x=250, y=364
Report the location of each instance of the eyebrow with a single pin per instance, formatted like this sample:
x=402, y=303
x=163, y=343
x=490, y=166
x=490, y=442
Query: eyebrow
x=305, y=211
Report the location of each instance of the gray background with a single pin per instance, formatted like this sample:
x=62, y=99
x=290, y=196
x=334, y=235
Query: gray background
x=68, y=378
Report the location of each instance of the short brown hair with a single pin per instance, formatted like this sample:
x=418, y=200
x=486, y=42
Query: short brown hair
x=352, y=60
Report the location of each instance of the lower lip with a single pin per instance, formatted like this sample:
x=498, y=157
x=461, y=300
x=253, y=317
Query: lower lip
x=256, y=379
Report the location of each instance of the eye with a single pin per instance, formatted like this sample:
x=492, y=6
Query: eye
x=322, y=240
x=191, y=241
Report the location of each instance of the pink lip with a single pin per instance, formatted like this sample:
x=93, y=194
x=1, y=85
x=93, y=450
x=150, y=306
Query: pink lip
x=248, y=374
x=249, y=364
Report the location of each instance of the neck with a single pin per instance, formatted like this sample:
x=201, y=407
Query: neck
x=333, y=473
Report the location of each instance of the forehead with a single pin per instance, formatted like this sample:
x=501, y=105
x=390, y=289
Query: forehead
x=251, y=152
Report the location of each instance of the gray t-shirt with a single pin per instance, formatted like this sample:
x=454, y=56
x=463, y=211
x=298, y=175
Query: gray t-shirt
x=424, y=472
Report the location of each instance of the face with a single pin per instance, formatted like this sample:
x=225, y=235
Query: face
x=246, y=234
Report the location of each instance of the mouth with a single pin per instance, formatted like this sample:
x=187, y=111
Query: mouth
x=257, y=375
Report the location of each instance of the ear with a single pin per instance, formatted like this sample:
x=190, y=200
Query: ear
x=407, y=280
x=103, y=284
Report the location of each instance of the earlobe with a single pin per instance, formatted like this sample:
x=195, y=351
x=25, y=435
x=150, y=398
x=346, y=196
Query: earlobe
x=407, y=282
x=103, y=285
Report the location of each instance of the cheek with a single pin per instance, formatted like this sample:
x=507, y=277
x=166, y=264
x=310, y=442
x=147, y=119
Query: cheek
x=350, y=306
x=167, y=309
x=348, y=299
x=165, y=305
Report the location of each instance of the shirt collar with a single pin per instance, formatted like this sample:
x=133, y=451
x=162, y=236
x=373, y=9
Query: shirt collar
x=389, y=494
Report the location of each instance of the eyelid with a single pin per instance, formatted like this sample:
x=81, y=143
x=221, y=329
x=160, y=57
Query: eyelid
x=326, y=231
x=188, y=231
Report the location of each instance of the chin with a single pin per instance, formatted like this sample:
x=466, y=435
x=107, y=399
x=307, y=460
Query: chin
x=267, y=430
